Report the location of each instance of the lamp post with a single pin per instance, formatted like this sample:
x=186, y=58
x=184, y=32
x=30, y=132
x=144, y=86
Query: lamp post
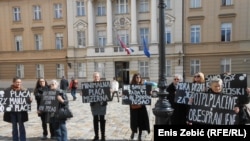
x=163, y=109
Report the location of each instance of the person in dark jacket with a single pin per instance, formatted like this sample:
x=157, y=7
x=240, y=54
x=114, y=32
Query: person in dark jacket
x=139, y=119
x=17, y=118
x=64, y=84
x=41, y=86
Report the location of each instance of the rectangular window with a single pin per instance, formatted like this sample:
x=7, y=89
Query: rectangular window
x=59, y=41
x=124, y=38
x=58, y=11
x=101, y=9
x=143, y=68
x=168, y=35
x=39, y=71
x=226, y=2
x=59, y=70
x=226, y=32
x=19, y=43
x=100, y=67
x=16, y=14
x=195, y=34
x=168, y=4
x=144, y=33
x=101, y=41
x=38, y=42
x=80, y=9
x=122, y=6
x=168, y=68
x=20, y=70
x=195, y=3
x=144, y=6
x=37, y=12
x=225, y=65
x=82, y=69
x=194, y=66
x=81, y=39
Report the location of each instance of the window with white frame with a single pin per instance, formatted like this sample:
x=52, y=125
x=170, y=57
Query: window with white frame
x=226, y=32
x=143, y=68
x=59, y=70
x=195, y=34
x=38, y=41
x=122, y=6
x=39, y=70
x=226, y=2
x=81, y=40
x=195, y=3
x=20, y=70
x=16, y=14
x=80, y=8
x=168, y=68
x=194, y=66
x=82, y=69
x=59, y=41
x=168, y=4
x=100, y=67
x=58, y=11
x=123, y=35
x=144, y=33
x=19, y=43
x=101, y=9
x=144, y=6
x=225, y=65
x=168, y=35
x=101, y=41
x=37, y=12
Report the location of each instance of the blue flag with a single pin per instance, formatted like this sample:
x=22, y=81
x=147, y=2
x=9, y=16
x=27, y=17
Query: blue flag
x=145, y=48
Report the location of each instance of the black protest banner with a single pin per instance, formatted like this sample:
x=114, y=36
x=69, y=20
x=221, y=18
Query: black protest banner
x=184, y=91
x=233, y=84
x=49, y=103
x=214, y=109
x=136, y=94
x=15, y=101
x=95, y=91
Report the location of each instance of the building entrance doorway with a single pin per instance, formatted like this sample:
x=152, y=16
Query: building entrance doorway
x=122, y=73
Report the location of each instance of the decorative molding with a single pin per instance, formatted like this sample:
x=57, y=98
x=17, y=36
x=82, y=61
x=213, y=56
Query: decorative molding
x=37, y=28
x=196, y=18
x=80, y=25
x=122, y=22
x=17, y=29
x=228, y=15
x=59, y=26
x=169, y=20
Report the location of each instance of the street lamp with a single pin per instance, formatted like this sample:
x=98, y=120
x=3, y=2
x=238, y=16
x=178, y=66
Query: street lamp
x=163, y=110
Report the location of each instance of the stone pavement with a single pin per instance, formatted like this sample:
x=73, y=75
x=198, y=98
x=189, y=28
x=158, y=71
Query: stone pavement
x=80, y=127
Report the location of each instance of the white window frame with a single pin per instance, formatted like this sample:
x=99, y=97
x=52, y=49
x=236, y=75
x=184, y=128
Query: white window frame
x=58, y=11
x=168, y=35
x=168, y=4
x=122, y=6
x=80, y=8
x=168, y=68
x=37, y=12
x=195, y=34
x=144, y=6
x=100, y=67
x=82, y=70
x=195, y=3
x=16, y=14
x=101, y=9
x=194, y=66
x=144, y=33
x=225, y=28
x=59, y=41
x=59, y=70
x=226, y=2
x=39, y=70
x=38, y=41
x=144, y=68
x=19, y=43
x=20, y=70
x=81, y=39
x=102, y=40
x=225, y=65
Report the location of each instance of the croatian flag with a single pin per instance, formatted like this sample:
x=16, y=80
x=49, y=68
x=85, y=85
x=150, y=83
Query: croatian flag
x=127, y=49
x=145, y=48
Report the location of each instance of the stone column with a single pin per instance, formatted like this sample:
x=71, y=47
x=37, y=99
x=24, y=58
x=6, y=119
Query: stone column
x=133, y=22
x=153, y=22
x=90, y=23
x=109, y=23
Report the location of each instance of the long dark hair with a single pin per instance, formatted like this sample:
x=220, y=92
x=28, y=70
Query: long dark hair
x=38, y=83
x=133, y=81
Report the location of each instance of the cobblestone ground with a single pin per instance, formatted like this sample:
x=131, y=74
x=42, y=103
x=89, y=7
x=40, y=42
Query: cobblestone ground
x=80, y=127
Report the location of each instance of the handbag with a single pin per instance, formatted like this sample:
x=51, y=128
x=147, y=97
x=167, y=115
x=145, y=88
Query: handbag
x=64, y=113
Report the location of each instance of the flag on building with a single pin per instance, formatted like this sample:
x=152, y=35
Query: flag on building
x=127, y=49
x=145, y=48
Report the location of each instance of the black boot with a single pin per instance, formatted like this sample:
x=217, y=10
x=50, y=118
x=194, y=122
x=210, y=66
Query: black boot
x=96, y=129
x=132, y=135
x=103, y=129
x=139, y=135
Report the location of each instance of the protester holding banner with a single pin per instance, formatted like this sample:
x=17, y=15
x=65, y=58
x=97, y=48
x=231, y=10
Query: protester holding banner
x=180, y=110
x=17, y=118
x=98, y=110
x=41, y=86
x=138, y=113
